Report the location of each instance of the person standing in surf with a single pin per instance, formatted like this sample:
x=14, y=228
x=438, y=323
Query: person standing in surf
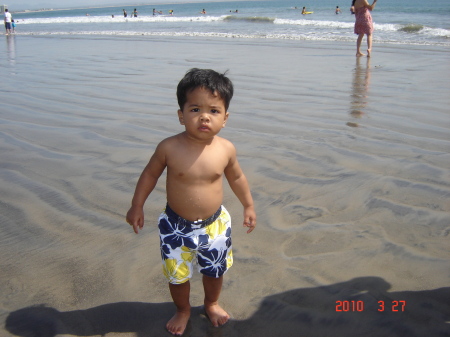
x=7, y=19
x=363, y=24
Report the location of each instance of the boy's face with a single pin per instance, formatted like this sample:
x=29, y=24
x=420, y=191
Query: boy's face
x=203, y=114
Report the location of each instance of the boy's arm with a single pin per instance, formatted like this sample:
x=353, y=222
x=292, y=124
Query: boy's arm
x=239, y=184
x=145, y=185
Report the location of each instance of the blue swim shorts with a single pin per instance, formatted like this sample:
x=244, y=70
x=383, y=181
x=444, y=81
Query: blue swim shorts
x=206, y=243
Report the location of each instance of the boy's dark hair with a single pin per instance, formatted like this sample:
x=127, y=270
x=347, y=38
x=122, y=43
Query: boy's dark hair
x=208, y=79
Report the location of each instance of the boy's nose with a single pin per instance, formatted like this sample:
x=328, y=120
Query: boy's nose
x=204, y=117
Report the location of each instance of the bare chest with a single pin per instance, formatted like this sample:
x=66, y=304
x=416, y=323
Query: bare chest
x=197, y=166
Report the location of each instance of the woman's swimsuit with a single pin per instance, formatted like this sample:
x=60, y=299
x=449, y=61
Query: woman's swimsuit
x=363, y=21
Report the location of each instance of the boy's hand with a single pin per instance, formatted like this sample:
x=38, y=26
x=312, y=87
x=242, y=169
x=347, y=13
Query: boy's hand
x=249, y=219
x=135, y=217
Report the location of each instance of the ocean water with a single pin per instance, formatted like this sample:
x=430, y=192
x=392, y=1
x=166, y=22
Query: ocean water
x=411, y=22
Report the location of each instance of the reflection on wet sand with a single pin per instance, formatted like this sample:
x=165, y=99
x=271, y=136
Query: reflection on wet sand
x=11, y=49
x=360, y=88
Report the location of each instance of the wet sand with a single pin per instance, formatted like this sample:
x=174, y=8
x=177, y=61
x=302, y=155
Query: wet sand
x=348, y=161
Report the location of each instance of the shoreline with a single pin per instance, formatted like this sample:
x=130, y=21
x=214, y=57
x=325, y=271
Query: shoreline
x=227, y=38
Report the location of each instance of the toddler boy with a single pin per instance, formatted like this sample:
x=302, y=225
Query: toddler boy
x=195, y=227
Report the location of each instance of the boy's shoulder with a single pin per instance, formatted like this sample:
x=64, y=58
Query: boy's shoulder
x=224, y=147
x=170, y=140
x=224, y=142
x=168, y=144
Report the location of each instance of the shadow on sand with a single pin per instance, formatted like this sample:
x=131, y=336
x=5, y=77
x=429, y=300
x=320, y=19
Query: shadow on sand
x=307, y=312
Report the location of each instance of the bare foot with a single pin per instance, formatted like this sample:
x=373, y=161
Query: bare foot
x=177, y=324
x=360, y=54
x=368, y=52
x=217, y=315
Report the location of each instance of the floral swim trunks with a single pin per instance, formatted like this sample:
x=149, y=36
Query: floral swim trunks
x=184, y=243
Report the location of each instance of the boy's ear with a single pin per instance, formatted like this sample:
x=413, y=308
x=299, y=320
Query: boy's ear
x=225, y=120
x=181, y=117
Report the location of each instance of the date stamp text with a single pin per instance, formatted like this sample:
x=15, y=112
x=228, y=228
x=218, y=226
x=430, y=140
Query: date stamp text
x=350, y=306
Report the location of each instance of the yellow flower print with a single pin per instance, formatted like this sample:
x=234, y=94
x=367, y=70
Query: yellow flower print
x=174, y=271
x=188, y=256
x=219, y=227
x=229, y=259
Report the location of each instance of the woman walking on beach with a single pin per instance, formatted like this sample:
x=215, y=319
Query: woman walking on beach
x=363, y=24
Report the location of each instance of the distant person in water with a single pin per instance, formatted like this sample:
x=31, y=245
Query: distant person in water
x=125, y=13
x=338, y=10
x=135, y=13
x=363, y=24
x=203, y=11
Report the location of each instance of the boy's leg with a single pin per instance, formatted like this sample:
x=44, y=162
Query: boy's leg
x=180, y=295
x=213, y=287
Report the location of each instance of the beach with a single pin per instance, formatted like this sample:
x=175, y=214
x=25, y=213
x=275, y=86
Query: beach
x=347, y=159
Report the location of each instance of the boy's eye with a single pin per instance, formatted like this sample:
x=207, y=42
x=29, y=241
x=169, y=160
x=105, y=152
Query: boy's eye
x=195, y=110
